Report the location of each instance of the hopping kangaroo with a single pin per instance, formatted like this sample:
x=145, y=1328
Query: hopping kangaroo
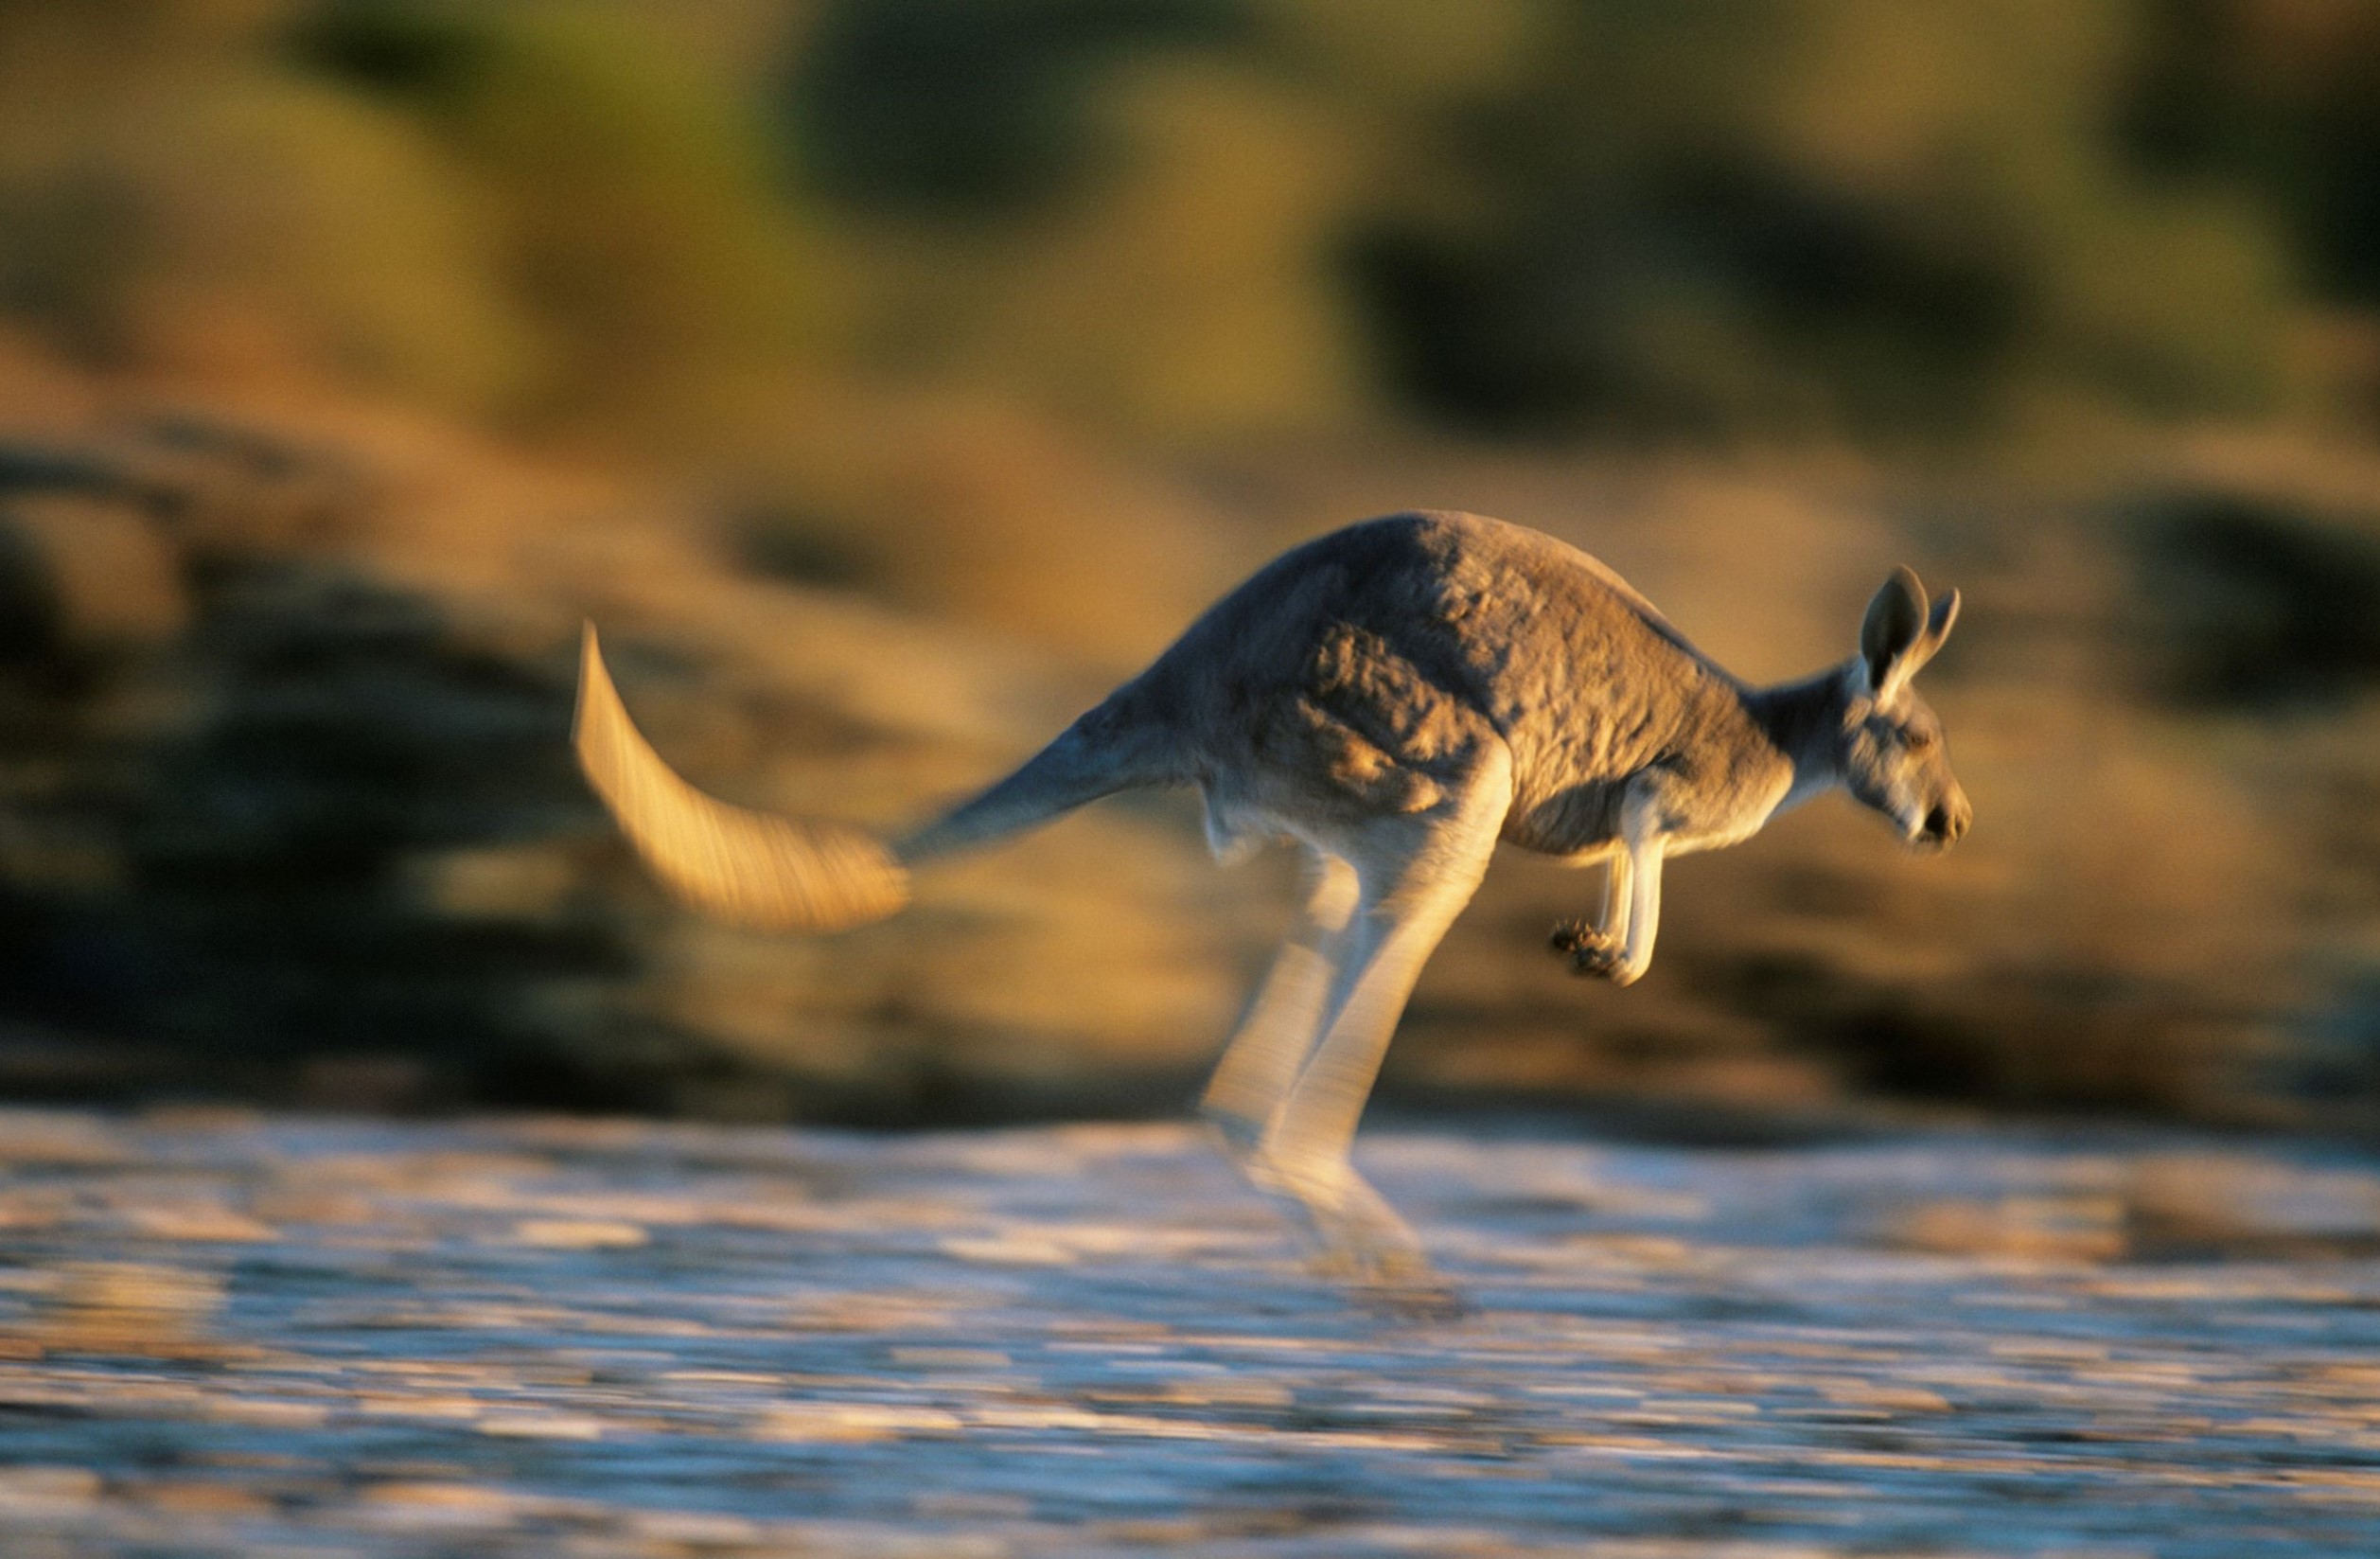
x=1397, y=697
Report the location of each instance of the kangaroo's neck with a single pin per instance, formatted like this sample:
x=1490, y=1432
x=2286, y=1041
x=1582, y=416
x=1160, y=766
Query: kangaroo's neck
x=1803, y=720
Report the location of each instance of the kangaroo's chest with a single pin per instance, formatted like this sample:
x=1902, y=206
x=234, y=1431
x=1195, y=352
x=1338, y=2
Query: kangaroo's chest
x=1584, y=822
x=1724, y=818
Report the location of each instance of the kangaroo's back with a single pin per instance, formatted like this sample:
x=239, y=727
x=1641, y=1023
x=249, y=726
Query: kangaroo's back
x=1373, y=656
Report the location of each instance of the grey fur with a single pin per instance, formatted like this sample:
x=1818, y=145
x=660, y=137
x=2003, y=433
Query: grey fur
x=1400, y=696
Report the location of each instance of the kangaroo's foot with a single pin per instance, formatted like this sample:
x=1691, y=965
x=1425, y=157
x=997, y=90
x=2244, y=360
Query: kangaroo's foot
x=1357, y=1235
x=1374, y=1258
x=1590, y=953
x=1370, y=1249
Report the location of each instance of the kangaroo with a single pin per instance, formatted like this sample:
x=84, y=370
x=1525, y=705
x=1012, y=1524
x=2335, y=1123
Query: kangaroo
x=1397, y=697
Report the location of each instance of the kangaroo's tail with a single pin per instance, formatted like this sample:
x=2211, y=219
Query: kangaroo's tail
x=1117, y=746
x=744, y=867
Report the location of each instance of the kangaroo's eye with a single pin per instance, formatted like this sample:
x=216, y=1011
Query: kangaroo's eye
x=1916, y=742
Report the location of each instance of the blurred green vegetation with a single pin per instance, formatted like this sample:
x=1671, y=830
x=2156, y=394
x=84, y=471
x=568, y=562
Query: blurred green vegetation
x=1181, y=220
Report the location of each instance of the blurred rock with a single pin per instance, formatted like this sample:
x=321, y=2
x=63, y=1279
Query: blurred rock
x=80, y=574
x=2048, y=1228
x=138, y=1308
x=2196, y=1207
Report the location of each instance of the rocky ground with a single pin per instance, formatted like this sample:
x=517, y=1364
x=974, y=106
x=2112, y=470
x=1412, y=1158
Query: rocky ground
x=227, y=1334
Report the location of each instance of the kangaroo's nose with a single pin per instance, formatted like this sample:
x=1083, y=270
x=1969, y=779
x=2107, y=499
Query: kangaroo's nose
x=1948, y=820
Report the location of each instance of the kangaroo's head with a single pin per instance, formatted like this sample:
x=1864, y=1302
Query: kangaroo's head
x=1892, y=756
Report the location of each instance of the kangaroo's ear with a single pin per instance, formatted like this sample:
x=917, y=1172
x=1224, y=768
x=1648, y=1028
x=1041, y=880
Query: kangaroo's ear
x=1895, y=626
x=1938, y=624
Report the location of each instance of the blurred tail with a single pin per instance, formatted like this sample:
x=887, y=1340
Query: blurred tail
x=743, y=867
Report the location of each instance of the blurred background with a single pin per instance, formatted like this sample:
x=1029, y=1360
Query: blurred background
x=888, y=378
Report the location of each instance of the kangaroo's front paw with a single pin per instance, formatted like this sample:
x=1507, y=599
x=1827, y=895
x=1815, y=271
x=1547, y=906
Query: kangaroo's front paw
x=1590, y=953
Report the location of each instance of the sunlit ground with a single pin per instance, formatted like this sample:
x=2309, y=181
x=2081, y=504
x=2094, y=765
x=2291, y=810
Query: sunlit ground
x=267, y=1336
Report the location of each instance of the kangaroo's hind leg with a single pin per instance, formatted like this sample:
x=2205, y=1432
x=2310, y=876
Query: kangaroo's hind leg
x=1413, y=876
x=1253, y=1080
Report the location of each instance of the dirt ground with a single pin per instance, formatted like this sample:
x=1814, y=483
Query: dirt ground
x=230, y=1334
